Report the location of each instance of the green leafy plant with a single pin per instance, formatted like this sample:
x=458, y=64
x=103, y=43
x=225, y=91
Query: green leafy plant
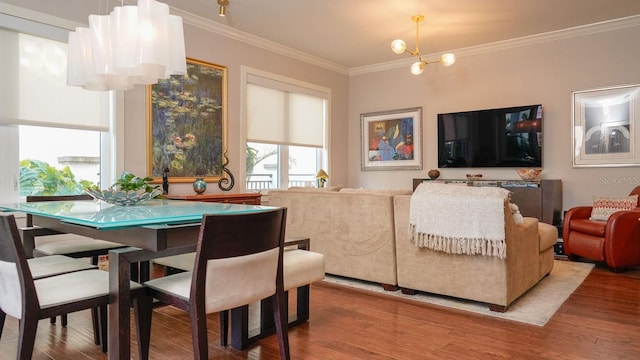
x=39, y=178
x=130, y=182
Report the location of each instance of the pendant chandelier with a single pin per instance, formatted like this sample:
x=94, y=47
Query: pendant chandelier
x=399, y=46
x=134, y=45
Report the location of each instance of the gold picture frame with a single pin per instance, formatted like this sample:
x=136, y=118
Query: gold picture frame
x=187, y=124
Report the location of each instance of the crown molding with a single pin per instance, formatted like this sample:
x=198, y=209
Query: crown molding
x=229, y=32
x=595, y=28
x=38, y=17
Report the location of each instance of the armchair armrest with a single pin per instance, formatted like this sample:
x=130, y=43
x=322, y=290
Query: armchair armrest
x=578, y=212
x=622, y=238
x=523, y=249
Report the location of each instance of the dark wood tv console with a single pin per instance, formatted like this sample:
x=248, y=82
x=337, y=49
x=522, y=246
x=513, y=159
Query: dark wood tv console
x=541, y=199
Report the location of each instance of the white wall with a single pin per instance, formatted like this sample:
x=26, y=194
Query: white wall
x=545, y=73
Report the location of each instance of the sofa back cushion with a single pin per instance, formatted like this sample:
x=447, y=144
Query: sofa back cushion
x=376, y=191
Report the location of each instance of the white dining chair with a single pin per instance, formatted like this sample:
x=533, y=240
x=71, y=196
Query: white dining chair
x=30, y=300
x=238, y=261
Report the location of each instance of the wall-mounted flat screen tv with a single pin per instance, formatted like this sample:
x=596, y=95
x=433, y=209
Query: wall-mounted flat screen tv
x=507, y=137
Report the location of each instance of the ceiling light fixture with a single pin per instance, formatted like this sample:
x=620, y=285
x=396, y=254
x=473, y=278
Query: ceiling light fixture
x=223, y=7
x=399, y=46
x=132, y=45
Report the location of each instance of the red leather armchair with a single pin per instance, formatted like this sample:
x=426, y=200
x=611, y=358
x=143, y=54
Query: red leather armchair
x=615, y=241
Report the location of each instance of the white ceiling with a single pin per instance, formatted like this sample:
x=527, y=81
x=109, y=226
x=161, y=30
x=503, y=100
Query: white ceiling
x=357, y=33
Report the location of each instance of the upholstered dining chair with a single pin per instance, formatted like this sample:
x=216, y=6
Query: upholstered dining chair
x=53, y=265
x=239, y=261
x=69, y=245
x=30, y=300
x=300, y=268
x=47, y=266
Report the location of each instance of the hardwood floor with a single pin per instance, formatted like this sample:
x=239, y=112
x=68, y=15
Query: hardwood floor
x=600, y=320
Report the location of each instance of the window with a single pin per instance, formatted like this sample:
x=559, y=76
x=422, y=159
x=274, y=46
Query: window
x=286, y=132
x=45, y=124
x=52, y=151
x=263, y=165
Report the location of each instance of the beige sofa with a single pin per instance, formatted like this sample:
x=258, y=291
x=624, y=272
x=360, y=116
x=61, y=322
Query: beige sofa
x=354, y=229
x=363, y=234
x=497, y=282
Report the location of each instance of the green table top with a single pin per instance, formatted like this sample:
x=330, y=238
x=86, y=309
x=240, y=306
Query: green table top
x=100, y=215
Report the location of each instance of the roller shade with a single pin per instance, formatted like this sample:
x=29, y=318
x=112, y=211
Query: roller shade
x=35, y=92
x=282, y=113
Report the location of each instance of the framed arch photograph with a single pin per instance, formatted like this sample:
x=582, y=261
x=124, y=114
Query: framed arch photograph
x=605, y=127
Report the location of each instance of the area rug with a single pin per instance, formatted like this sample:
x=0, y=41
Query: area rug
x=534, y=307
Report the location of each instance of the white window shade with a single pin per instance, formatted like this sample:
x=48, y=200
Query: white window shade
x=40, y=95
x=307, y=118
x=265, y=114
x=281, y=116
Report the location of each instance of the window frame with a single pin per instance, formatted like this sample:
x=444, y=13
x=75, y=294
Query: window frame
x=308, y=88
x=111, y=145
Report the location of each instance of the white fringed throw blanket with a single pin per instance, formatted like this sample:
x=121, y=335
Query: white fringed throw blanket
x=459, y=219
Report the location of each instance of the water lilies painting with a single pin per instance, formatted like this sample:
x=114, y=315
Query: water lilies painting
x=186, y=123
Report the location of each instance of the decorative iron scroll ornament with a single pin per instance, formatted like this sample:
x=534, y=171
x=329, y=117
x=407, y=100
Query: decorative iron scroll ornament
x=226, y=182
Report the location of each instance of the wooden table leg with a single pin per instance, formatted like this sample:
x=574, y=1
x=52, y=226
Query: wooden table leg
x=240, y=338
x=119, y=304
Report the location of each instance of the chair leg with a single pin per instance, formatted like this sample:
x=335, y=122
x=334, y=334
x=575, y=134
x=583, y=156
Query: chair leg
x=102, y=321
x=96, y=326
x=224, y=327
x=144, y=272
x=280, y=318
x=143, y=307
x=240, y=327
x=27, y=337
x=199, y=333
x=3, y=316
x=135, y=272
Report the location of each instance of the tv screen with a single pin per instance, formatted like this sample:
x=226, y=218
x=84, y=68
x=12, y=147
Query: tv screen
x=508, y=137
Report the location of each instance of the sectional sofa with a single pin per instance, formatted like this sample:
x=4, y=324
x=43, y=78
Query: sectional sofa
x=362, y=234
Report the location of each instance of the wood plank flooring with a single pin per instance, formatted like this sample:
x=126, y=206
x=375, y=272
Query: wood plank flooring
x=600, y=320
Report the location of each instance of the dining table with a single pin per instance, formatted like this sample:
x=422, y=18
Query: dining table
x=148, y=230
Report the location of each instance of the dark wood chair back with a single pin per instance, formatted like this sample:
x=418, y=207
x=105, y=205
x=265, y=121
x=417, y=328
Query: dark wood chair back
x=19, y=295
x=19, y=282
x=237, y=256
x=234, y=236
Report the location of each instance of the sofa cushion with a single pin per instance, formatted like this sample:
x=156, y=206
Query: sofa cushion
x=313, y=189
x=603, y=207
x=376, y=191
x=548, y=235
x=595, y=228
